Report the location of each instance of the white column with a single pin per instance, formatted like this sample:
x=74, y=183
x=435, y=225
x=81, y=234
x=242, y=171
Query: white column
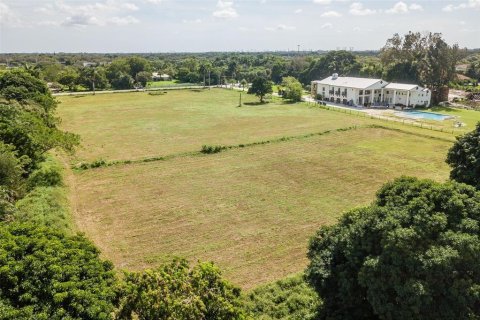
x=408, y=98
x=381, y=95
x=394, y=97
x=371, y=96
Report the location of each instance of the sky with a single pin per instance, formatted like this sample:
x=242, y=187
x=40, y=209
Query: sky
x=227, y=25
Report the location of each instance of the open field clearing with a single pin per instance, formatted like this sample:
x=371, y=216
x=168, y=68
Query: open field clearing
x=128, y=126
x=251, y=210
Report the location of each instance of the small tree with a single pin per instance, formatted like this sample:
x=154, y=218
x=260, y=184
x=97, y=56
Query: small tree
x=413, y=254
x=464, y=158
x=144, y=77
x=244, y=84
x=69, y=77
x=261, y=86
x=292, y=89
x=176, y=291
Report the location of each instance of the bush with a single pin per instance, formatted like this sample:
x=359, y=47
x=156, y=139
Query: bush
x=176, y=291
x=47, y=275
x=464, y=158
x=290, y=298
x=212, y=149
x=413, y=254
x=49, y=174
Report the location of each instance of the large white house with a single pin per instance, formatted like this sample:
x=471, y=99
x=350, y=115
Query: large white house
x=370, y=92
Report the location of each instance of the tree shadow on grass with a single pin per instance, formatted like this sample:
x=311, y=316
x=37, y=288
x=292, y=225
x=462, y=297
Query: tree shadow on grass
x=255, y=104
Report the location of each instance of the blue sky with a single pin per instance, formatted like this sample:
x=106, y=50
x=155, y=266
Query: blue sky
x=221, y=25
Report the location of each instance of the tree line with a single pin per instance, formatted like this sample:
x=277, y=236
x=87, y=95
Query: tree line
x=420, y=58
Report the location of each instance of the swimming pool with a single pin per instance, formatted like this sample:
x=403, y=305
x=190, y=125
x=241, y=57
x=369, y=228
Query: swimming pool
x=423, y=115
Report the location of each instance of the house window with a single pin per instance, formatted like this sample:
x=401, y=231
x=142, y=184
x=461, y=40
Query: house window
x=323, y=88
x=361, y=92
x=367, y=91
x=388, y=92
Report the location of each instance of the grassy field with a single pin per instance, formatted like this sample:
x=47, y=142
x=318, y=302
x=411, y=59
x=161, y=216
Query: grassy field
x=250, y=210
x=137, y=125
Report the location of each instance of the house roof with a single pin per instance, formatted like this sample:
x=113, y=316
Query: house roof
x=351, y=82
x=400, y=86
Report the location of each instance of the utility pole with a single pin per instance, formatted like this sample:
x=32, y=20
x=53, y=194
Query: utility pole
x=298, y=48
x=240, y=103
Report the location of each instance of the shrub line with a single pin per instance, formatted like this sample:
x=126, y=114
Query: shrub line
x=213, y=149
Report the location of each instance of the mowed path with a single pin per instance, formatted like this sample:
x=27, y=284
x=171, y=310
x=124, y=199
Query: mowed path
x=250, y=210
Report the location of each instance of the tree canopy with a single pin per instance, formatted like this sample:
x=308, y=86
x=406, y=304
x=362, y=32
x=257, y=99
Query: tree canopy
x=464, y=158
x=177, y=291
x=47, y=275
x=412, y=254
x=292, y=89
x=260, y=87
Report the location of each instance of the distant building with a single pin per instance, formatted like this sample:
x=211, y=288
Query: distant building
x=89, y=64
x=160, y=77
x=369, y=92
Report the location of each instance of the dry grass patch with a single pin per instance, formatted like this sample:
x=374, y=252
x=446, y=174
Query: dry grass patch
x=250, y=210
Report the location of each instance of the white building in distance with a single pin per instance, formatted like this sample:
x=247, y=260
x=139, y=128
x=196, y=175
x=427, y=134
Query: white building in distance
x=370, y=92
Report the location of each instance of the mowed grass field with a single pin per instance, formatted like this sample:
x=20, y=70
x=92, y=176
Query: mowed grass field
x=128, y=126
x=250, y=210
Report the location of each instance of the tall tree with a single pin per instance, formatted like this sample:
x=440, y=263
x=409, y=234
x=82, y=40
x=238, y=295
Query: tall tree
x=426, y=58
x=413, y=254
x=464, y=158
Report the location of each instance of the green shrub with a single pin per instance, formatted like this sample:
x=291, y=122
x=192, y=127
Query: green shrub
x=289, y=298
x=47, y=206
x=212, y=149
x=49, y=174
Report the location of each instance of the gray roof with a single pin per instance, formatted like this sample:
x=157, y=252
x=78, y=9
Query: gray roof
x=350, y=82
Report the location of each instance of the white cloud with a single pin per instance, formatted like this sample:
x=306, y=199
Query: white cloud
x=123, y=21
x=225, y=10
x=153, y=1
x=327, y=25
x=401, y=7
x=357, y=9
x=192, y=21
x=7, y=16
x=331, y=14
x=322, y=1
x=356, y=29
x=471, y=4
x=298, y=11
x=415, y=7
x=108, y=12
x=280, y=27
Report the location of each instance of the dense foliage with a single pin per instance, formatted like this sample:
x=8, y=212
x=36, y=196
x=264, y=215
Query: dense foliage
x=292, y=89
x=176, y=291
x=464, y=158
x=47, y=275
x=288, y=299
x=421, y=58
x=413, y=254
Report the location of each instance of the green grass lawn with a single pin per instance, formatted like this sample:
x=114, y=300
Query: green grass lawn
x=469, y=117
x=129, y=126
x=169, y=83
x=135, y=125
